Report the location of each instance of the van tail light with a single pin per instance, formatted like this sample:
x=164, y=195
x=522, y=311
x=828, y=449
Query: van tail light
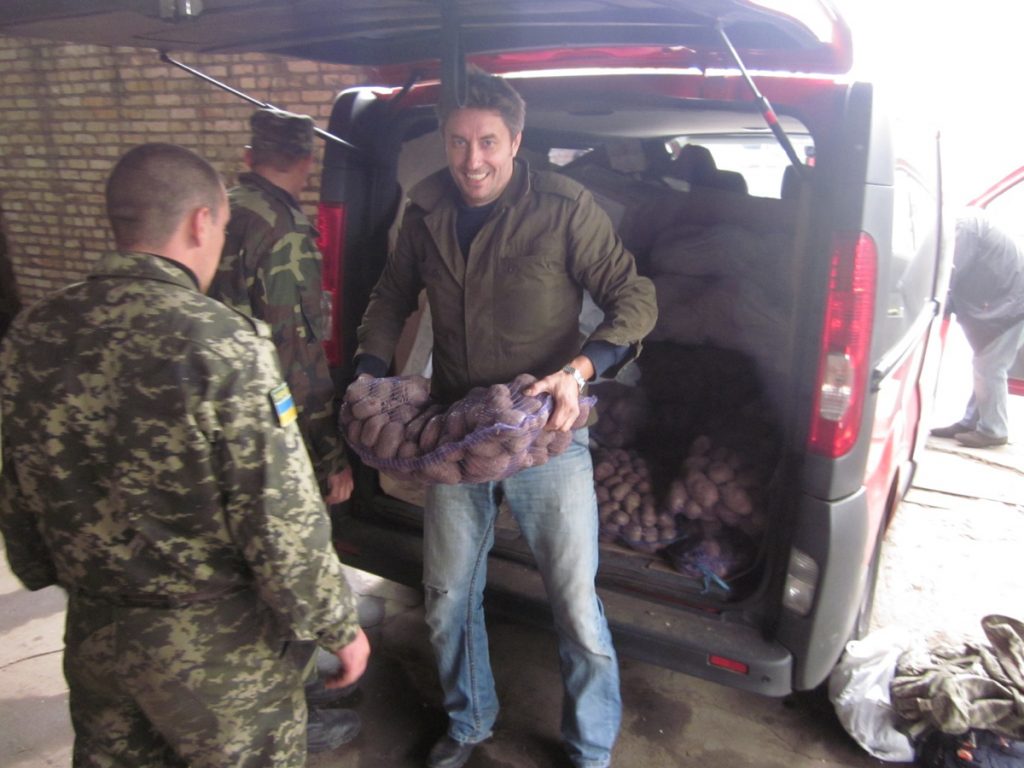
x=846, y=344
x=331, y=225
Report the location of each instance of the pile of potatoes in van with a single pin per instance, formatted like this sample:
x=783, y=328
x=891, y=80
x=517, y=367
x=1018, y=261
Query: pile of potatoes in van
x=686, y=455
x=395, y=426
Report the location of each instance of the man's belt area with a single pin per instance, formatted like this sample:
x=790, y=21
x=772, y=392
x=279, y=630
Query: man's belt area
x=166, y=602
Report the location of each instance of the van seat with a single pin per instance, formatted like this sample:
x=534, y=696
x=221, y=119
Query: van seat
x=695, y=165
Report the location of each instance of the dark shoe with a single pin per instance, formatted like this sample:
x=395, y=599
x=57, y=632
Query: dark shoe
x=328, y=729
x=951, y=431
x=318, y=695
x=976, y=439
x=449, y=753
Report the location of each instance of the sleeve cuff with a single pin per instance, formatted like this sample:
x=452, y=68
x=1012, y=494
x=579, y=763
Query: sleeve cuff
x=604, y=355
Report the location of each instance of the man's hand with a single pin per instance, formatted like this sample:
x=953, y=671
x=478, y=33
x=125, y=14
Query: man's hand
x=565, y=394
x=339, y=487
x=354, y=658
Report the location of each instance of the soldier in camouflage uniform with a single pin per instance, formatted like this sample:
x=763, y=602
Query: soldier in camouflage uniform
x=152, y=468
x=271, y=270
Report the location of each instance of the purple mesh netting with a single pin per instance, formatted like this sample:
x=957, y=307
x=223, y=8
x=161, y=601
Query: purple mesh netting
x=490, y=434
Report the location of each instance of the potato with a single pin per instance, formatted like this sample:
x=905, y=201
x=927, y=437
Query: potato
x=539, y=454
x=736, y=499
x=666, y=520
x=404, y=414
x=559, y=443
x=408, y=450
x=620, y=491
x=632, y=502
x=544, y=439
x=416, y=390
x=726, y=515
x=602, y=493
x=719, y=472
x=621, y=517
x=581, y=418
x=359, y=388
x=383, y=389
x=648, y=518
x=367, y=407
x=606, y=509
x=692, y=510
x=514, y=443
x=510, y=416
x=444, y=472
x=521, y=382
x=390, y=438
x=431, y=433
x=677, y=496
x=480, y=469
x=353, y=432
x=701, y=489
x=371, y=429
x=454, y=424
x=499, y=392
x=487, y=449
x=415, y=427
x=602, y=470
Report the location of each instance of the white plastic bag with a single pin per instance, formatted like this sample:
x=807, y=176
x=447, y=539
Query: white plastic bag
x=859, y=690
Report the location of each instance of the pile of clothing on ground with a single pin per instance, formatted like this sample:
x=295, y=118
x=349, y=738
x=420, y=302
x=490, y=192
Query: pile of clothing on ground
x=938, y=704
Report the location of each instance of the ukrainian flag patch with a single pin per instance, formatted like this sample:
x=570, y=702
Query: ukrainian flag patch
x=284, y=405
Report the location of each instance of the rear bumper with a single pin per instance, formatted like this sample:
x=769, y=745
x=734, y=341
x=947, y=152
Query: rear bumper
x=676, y=638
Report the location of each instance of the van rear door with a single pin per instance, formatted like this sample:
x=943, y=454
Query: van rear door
x=807, y=37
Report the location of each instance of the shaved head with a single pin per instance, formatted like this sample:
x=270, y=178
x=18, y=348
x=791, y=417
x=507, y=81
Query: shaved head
x=153, y=187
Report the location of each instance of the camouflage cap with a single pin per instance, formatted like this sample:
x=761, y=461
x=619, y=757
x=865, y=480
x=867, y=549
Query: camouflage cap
x=275, y=130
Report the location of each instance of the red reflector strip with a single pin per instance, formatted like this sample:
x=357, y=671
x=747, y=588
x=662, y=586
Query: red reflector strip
x=730, y=665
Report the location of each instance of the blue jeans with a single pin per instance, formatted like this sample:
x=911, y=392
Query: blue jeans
x=555, y=507
x=986, y=410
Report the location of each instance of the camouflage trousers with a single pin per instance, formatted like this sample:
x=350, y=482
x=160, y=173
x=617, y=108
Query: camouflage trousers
x=207, y=685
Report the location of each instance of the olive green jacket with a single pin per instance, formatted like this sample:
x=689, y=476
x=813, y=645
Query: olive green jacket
x=144, y=463
x=512, y=306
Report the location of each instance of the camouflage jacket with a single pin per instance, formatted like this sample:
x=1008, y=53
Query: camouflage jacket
x=144, y=462
x=271, y=270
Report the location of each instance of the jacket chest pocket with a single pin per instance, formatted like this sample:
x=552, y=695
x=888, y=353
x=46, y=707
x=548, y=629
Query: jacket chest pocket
x=538, y=266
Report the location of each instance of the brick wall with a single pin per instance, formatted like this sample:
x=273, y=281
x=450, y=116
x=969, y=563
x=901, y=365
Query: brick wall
x=67, y=112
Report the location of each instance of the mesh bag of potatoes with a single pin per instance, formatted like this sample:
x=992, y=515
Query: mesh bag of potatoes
x=395, y=426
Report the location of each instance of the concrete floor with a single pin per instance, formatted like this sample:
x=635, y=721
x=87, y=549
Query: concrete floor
x=949, y=559
x=669, y=719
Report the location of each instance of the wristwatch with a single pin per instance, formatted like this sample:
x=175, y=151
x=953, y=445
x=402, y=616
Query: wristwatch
x=576, y=375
